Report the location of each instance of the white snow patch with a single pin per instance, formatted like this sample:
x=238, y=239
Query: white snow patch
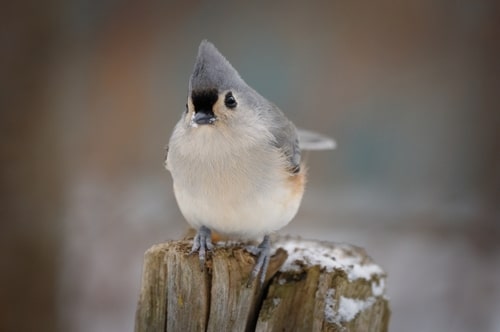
x=330, y=257
x=330, y=313
x=348, y=308
x=276, y=301
x=366, y=271
x=378, y=288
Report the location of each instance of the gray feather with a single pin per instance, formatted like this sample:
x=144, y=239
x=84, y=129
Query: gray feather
x=286, y=138
x=213, y=70
x=310, y=140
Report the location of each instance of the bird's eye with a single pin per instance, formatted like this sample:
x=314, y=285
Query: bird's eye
x=230, y=101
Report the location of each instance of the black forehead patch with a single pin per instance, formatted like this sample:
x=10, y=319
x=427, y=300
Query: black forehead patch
x=204, y=100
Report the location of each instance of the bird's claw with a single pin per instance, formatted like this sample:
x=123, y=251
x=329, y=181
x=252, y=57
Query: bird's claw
x=202, y=243
x=263, y=253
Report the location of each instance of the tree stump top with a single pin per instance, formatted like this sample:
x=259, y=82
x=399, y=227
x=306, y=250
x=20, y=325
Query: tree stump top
x=352, y=260
x=310, y=286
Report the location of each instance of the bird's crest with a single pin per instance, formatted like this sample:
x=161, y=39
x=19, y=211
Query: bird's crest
x=213, y=71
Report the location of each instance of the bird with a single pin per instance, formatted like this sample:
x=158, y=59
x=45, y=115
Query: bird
x=235, y=160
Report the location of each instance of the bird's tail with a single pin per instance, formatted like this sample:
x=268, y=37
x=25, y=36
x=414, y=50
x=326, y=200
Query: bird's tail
x=309, y=140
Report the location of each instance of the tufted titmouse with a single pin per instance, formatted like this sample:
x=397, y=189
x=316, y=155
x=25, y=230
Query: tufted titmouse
x=235, y=159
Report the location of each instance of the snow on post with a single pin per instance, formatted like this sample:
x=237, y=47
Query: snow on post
x=310, y=286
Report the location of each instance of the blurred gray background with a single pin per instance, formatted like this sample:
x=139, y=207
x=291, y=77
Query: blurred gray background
x=90, y=91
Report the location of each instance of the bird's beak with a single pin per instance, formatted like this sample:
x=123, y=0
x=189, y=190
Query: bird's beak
x=201, y=118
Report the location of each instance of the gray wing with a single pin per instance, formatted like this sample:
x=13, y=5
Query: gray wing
x=291, y=140
x=286, y=139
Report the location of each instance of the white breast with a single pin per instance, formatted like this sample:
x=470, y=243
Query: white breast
x=235, y=188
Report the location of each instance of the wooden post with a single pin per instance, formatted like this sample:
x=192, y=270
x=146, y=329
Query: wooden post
x=310, y=286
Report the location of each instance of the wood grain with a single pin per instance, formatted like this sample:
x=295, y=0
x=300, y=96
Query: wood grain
x=176, y=295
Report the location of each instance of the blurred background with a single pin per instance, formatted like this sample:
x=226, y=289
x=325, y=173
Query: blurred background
x=90, y=92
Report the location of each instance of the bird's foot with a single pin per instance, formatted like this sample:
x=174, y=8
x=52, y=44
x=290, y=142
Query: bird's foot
x=202, y=243
x=263, y=253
